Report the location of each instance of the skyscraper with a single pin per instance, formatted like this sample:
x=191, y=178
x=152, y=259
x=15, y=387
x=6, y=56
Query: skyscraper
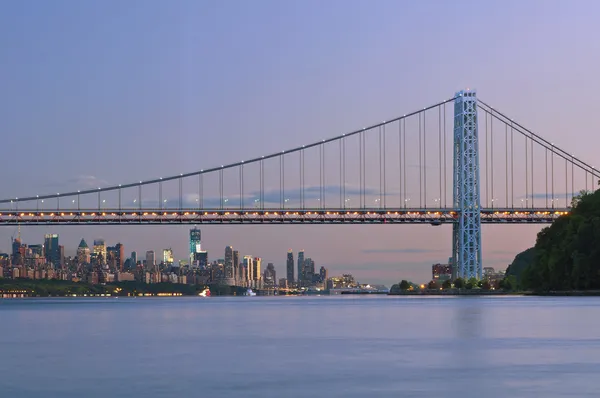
x=150, y=260
x=120, y=252
x=111, y=257
x=323, y=274
x=309, y=271
x=301, y=267
x=236, y=265
x=256, y=276
x=168, y=257
x=290, y=267
x=270, y=276
x=201, y=259
x=100, y=251
x=195, y=243
x=83, y=253
x=228, y=262
x=249, y=268
x=52, y=250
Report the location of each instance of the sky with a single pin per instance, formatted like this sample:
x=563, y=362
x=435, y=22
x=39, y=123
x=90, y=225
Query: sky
x=102, y=93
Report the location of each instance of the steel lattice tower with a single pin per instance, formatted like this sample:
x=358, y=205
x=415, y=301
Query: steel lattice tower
x=466, y=233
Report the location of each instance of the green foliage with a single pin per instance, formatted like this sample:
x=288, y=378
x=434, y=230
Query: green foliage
x=566, y=255
x=447, y=284
x=433, y=285
x=472, y=283
x=404, y=285
x=520, y=263
x=509, y=283
x=459, y=283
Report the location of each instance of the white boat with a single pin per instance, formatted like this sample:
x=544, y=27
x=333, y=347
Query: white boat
x=249, y=292
x=204, y=293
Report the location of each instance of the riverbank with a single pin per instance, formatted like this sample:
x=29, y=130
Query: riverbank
x=58, y=288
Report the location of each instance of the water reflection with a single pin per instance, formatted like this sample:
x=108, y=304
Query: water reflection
x=303, y=346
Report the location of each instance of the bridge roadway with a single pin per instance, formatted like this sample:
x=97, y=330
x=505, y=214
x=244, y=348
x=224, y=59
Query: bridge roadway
x=434, y=216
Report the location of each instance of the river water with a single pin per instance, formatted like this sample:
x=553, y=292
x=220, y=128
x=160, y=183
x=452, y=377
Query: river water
x=300, y=347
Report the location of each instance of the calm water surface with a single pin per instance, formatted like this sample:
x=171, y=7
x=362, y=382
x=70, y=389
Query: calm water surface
x=300, y=347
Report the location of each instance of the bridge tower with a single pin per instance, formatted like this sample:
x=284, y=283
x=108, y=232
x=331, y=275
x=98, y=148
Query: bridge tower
x=466, y=232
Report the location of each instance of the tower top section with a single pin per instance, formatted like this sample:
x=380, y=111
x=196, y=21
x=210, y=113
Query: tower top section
x=466, y=93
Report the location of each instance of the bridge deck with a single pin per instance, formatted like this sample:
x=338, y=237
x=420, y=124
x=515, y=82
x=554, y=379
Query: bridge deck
x=435, y=216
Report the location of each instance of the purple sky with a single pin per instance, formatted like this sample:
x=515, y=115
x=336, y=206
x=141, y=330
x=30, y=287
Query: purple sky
x=97, y=93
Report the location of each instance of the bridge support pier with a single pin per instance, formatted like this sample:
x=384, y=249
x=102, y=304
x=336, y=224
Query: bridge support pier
x=466, y=231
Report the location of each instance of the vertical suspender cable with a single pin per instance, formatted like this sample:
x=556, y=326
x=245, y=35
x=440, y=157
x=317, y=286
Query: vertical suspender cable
x=552, y=174
x=445, y=165
x=440, y=153
x=424, y=160
x=492, y=155
x=512, y=166
x=384, y=184
x=400, y=160
x=506, y=161
x=420, y=166
x=487, y=178
x=546, y=167
x=404, y=158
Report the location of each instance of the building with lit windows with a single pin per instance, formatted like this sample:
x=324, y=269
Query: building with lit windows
x=100, y=251
x=195, y=243
x=83, y=253
x=290, y=267
x=441, y=272
x=256, y=276
x=168, y=257
x=52, y=250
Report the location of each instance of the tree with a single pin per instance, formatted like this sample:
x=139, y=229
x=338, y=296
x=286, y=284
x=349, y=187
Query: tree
x=459, y=283
x=433, y=285
x=447, y=284
x=486, y=285
x=404, y=285
x=471, y=283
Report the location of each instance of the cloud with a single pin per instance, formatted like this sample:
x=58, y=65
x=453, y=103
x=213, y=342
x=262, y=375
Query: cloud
x=543, y=195
x=405, y=251
x=82, y=182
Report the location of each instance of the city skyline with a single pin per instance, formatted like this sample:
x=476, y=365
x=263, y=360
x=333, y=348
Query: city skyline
x=229, y=256
x=289, y=89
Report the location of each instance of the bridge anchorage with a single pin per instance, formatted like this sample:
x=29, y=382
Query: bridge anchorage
x=393, y=172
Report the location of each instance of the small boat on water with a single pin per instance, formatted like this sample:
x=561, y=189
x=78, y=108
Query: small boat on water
x=204, y=293
x=249, y=292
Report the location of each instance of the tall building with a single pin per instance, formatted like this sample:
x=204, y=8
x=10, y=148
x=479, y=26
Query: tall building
x=290, y=267
x=249, y=268
x=120, y=253
x=270, y=277
x=195, y=243
x=256, y=276
x=111, y=257
x=168, y=257
x=323, y=275
x=441, y=272
x=228, y=262
x=134, y=258
x=150, y=261
x=301, y=267
x=52, y=250
x=100, y=251
x=236, y=265
x=309, y=271
x=17, y=258
x=201, y=259
x=83, y=253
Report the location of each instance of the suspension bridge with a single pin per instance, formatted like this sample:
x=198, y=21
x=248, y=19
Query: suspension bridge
x=393, y=172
